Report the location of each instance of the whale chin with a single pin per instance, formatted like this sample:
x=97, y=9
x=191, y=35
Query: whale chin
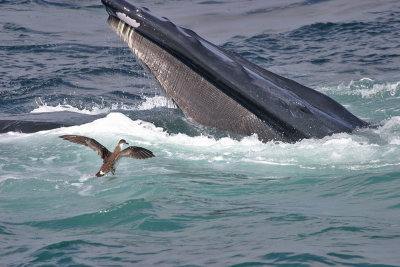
x=219, y=88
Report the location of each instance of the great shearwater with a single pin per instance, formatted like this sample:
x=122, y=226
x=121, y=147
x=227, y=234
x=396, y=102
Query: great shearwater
x=110, y=159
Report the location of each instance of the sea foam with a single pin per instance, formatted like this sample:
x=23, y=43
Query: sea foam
x=96, y=109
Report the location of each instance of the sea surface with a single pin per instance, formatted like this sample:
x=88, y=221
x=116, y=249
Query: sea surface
x=207, y=198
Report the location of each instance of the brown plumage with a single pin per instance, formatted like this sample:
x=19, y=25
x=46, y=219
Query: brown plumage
x=110, y=159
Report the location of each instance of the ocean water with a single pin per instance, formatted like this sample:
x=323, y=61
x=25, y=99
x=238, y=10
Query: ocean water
x=207, y=198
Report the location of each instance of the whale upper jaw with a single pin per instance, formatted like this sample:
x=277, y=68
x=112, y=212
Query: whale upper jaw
x=124, y=11
x=219, y=88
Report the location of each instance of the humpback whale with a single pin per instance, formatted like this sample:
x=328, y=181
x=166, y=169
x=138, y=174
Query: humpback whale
x=109, y=158
x=219, y=88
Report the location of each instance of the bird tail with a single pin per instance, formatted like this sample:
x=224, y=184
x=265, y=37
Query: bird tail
x=99, y=174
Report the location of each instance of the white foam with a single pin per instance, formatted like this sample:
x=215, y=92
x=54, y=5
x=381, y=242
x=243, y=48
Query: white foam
x=390, y=131
x=372, y=148
x=148, y=104
x=156, y=101
x=338, y=149
x=59, y=108
x=266, y=162
x=114, y=123
x=43, y=107
x=366, y=88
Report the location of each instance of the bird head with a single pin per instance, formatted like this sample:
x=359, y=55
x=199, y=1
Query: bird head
x=122, y=142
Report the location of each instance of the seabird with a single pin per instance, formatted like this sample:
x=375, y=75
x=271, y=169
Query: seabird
x=110, y=159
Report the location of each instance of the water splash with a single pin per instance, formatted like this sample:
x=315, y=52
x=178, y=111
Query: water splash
x=97, y=109
x=365, y=149
x=155, y=102
x=366, y=88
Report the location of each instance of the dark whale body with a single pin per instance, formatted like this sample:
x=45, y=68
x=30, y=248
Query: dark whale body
x=213, y=86
x=35, y=122
x=219, y=88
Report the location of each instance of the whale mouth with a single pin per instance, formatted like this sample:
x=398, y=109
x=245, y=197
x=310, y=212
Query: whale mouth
x=219, y=88
x=112, y=6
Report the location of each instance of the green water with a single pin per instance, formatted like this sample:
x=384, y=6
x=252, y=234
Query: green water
x=205, y=199
x=328, y=201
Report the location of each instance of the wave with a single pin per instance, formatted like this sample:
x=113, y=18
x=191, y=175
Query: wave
x=131, y=210
x=60, y=107
x=155, y=102
x=343, y=49
x=96, y=109
x=366, y=88
x=371, y=149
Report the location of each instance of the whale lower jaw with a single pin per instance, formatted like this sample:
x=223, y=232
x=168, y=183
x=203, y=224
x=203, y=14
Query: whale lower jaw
x=219, y=88
x=195, y=96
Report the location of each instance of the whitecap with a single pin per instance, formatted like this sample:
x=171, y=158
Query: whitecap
x=366, y=88
x=156, y=101
x=98, y=109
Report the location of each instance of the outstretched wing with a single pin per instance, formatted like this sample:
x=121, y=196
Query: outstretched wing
x=135, y=152
x=86, y=141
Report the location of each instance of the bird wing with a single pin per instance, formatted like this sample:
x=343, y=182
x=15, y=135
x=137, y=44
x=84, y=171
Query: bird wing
x=135, y=152
x=86, y=141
